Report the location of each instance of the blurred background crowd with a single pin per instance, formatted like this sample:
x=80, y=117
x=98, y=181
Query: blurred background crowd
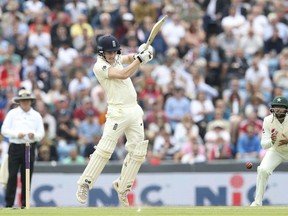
x=217, y=65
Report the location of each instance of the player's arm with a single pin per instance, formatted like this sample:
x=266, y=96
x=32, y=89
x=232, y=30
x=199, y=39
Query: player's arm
x=115, y=73
x=266, y=140
x=140, y=58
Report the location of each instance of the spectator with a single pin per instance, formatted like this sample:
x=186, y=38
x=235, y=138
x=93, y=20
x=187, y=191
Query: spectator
x=163, y=147
x=47, y=150
x=144, y=8
x=89, y=133
x=217, y=142
x=66, y=134
x=172, y=32
x=74, y=158
x=248, y=145
x=215, y=58
x=176, y=107
x=258, y=80
x=104, y=26
x=257, y=104
x=149, y=94
x=81, y=32
x=182, y=131
x=75, y=9
x=80, y=113
x=193, y=151
x=200, y=107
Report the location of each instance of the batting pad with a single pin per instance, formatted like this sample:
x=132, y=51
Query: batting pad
x=97, y=162
x=131, y=166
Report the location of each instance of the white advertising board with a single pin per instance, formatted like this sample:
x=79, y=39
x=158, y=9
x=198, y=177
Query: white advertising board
x=161, y=189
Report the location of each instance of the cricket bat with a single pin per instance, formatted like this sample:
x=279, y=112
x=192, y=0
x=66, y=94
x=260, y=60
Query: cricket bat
x=155, y=30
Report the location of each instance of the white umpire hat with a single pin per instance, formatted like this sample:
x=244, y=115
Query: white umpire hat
x=24, y=94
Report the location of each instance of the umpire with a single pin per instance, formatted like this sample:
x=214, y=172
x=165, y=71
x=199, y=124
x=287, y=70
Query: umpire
x=21, y=125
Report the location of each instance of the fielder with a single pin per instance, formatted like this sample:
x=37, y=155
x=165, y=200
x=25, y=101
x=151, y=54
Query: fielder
x=123, y=115
x=275, y=140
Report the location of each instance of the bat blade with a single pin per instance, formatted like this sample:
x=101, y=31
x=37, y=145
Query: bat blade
x=154, y=31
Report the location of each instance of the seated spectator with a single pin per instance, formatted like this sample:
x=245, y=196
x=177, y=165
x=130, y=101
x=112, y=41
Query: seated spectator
x=176, y=107
x=182, y=130
x=81, y=32
x=197, y=83
x=257, y=104
x=251, y=119
x=47, y=118
x=46, y=150
x=149, y=94
x=163, y=147
x=217, y=142
x=75, y=9
x=80, y=112
x=234, y=97
x=74, y=158
x=89, y=133
x=79, y=82
x=200, y=107
x=237, y=67
x=258, y=80
x=156, y=119
x=249, y=145
x=193, y=151
x=66, y=134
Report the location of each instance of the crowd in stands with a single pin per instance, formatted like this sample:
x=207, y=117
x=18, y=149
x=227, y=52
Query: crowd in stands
x=217, y=65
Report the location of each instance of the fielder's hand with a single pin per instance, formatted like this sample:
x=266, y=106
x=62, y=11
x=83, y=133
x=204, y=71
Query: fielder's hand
x=274, y=136
x=142, y=48
x=144, y=57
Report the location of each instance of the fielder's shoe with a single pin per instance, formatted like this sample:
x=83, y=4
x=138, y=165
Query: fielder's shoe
x=121, y=196
x=254, y=204
x=82, y=193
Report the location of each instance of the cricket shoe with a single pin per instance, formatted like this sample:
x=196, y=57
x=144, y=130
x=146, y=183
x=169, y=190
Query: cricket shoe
x=123, y=199
x=254, y=204
x=82, y=193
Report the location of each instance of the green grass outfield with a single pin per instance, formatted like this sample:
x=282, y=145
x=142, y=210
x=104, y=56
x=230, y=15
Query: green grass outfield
x=147, y=211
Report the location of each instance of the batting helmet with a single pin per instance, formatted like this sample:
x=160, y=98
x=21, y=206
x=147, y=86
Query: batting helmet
x=108, y=43
x=280, y=101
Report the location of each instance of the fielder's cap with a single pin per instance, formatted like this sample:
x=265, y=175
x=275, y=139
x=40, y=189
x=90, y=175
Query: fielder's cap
x=280, y=101
x=24, y=94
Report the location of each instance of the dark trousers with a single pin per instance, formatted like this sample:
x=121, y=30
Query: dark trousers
x=16, y=163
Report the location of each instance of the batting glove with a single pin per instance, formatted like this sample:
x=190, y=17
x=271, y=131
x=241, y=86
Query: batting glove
x=142, y=48
x=144, y=57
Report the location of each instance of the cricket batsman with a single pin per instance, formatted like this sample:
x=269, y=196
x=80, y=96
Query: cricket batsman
x=124, y=115
x=275, y=140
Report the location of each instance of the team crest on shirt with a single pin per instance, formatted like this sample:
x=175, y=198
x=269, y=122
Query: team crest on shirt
x=104, y=67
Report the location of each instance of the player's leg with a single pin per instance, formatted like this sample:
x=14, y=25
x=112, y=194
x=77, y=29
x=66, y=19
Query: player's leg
x=270, y=161
x=137, y=150
x=113, y=128
x=97, y=162
x=13, y=167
